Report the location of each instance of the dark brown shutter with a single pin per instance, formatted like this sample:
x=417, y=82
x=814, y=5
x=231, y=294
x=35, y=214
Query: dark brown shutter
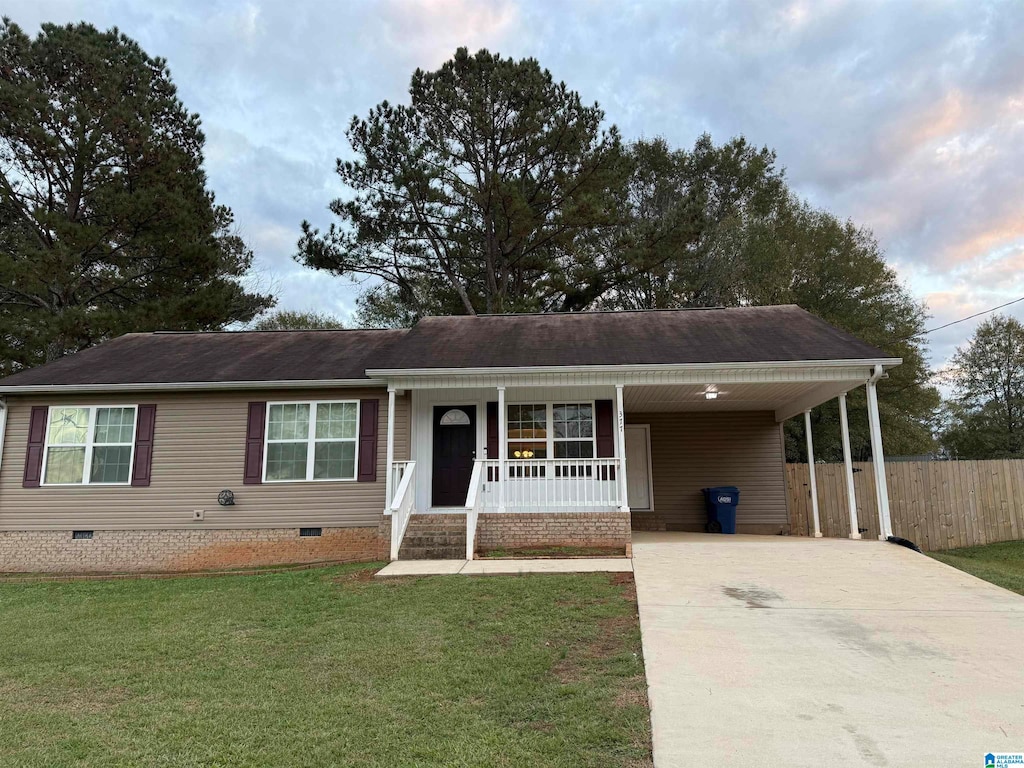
x=605, y=418
x=492, y=439
x=254, y=444
x=368, y=440
x=36, y=441
x=605, y=429
x=143, y=465
x=492, y=431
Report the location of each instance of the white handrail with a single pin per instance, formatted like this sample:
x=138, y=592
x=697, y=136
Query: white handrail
x=398, y=470
x=474, y=504
x=401, y=506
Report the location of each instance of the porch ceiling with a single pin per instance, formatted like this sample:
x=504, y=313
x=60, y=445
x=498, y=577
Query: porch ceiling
x=786, y=399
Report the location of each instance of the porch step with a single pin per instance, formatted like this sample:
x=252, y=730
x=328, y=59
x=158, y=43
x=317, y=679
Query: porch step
x=434, y=537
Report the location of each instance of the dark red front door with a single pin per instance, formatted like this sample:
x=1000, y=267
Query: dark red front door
x=454, y=451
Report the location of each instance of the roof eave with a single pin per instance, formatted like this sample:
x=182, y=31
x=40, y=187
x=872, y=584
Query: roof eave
x=384, y=373
x=191, y=386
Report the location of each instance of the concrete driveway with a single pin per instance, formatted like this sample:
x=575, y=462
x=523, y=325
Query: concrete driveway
x=778, y=651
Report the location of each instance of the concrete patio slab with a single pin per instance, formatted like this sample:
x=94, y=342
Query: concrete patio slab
x=498, y=567
x=771, y=651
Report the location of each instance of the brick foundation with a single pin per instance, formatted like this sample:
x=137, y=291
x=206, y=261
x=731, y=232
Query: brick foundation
x=646, y=521
x=558, y=529
x=185, y=550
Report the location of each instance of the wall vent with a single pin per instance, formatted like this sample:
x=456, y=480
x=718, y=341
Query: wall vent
x=81, y=534
x=311, y=531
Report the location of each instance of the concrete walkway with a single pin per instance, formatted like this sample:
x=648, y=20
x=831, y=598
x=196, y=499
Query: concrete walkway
x=492, y=567
x=778, y=651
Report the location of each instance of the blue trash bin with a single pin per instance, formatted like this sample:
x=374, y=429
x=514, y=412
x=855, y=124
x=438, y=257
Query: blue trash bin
x=720, y=503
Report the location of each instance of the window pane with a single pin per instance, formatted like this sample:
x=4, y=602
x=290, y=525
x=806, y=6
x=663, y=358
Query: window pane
x=334, y=461
x=527, y=421
x=530, y=449
x=64, y=465
x=288, y=422
x=68, y=425
x=335, y=420
x=286, y=461
x=574, y=449
x=114, y=425
x=573, y=421
x=110, y=464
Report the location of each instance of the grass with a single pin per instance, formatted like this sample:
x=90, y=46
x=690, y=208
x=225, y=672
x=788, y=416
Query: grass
x=1001, y=563
x=323, y=667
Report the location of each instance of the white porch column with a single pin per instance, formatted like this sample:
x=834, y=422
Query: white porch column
x=812, y=474
x=878, y=459
x=388, y=467
x=502, y=447
x=620, y=448
x=851, y=493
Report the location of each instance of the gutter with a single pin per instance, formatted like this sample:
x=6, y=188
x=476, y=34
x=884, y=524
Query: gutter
x=879, y=363
x=192, y=386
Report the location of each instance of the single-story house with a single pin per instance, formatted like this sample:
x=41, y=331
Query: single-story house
x=178, y=451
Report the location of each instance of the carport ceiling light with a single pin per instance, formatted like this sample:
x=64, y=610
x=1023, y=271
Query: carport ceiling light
x=710, y=395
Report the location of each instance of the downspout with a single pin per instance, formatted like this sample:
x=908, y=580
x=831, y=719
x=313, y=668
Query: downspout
x=879, y=373
x=878, y=456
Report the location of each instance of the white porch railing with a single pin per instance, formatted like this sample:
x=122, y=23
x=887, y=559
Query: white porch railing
x=403, y=500
x=539, y=485
x=474, y=506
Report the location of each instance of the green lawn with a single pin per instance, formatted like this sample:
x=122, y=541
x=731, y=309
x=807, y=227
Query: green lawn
x=1001, y=563
x=323, y=668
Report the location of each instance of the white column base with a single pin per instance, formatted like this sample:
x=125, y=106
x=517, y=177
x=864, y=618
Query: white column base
x=855, y=536
x=882, y=537
x=819, y=535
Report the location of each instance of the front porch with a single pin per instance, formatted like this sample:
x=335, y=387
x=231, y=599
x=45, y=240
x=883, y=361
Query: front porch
x=579, y=460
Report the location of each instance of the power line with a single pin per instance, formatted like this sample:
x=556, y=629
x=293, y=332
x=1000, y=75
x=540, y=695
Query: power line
x=963, y=319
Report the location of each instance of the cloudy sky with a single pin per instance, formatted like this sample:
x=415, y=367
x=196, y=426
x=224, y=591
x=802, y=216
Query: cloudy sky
x=906, y=117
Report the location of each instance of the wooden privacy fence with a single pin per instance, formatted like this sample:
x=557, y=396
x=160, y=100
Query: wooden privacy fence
x=935, y=504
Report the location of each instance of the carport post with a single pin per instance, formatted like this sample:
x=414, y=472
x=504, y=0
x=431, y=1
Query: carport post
x=851, y=493
x=878, y=458
x=812, y=473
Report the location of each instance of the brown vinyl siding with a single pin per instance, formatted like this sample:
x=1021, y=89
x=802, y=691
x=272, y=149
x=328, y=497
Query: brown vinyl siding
x=198, y=450
x=690, y=451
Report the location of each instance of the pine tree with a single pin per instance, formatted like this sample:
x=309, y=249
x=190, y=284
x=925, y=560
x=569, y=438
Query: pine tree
x=106, y=224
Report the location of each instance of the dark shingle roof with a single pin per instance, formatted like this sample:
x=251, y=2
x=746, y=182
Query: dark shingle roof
x=158, y=358
x=746, y=334
x=749, y=334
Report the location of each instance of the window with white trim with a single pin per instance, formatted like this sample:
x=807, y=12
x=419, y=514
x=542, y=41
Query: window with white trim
x=551, y=430
x=528, y=431
x=573, y=431
x=311, y=441
x=89, y=445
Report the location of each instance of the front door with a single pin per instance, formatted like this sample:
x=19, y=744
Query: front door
x=454, y=451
